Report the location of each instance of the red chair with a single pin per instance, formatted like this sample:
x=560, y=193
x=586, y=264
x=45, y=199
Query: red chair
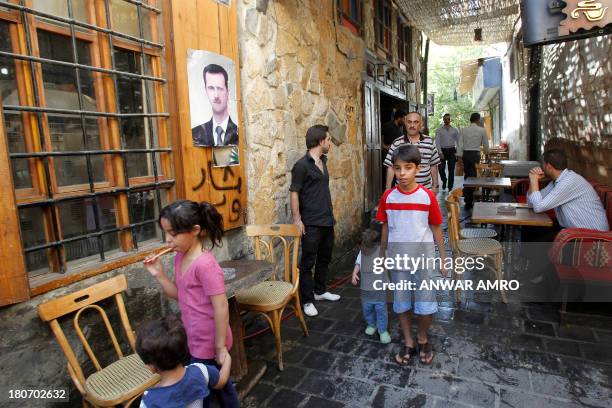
x=583, y=256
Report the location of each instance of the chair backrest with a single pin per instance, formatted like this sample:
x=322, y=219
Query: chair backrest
x=268, y=236
x=79, y=302
x=452, y=210
x=457, y=193
x=489, y=169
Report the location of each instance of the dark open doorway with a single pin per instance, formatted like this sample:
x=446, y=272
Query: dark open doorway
x=388, y=106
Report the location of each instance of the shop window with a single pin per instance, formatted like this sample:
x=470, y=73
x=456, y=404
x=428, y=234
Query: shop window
x=88, y=148
x=382, y=24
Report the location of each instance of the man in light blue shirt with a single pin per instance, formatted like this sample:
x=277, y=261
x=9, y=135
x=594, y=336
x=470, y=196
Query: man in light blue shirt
x=574, y=200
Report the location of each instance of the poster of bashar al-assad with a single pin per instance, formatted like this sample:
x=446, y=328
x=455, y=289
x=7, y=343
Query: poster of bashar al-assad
x=212, y=99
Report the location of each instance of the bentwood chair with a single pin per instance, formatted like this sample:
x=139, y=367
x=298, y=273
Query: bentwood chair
x=454, y=197
x=120, y=382
x=473, y=247
x=488, y=170
x=270, y=298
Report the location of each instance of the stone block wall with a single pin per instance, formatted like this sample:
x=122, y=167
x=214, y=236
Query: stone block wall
x=576, y=102
x=30, y=357
x=299, y=67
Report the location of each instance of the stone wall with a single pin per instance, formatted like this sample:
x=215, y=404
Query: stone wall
x=576, y=102
x=300, y=67
x=30, y=357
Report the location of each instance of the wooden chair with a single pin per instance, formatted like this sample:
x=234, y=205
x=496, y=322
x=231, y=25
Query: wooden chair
x=474, y=247
x=454, y=197
x=270, y=298
x=488, y=170
x=120, y=382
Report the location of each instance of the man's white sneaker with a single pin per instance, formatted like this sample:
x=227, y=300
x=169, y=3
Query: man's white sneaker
x=327, y=296
x=310, y=310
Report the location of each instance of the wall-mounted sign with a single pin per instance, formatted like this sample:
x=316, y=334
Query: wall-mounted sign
x=585, y=14
x=552, y=21
x=430, y=103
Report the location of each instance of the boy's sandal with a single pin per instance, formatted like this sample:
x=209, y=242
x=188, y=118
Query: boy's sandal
x=426, y=354
x=403, y=358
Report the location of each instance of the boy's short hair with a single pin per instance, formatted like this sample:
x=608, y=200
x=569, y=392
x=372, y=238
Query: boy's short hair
x=369, y=237
x=407, y=153
x=315, y=134
x=163, y=343
x=475, y=117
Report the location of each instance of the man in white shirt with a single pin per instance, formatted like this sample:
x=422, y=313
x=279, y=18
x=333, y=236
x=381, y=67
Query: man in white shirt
x=220, y=130
x=446, y=143
x=468, y=150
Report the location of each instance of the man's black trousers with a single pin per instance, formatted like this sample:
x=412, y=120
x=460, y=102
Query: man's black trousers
x=317, y=245
x=449, y=157
x=470, y=159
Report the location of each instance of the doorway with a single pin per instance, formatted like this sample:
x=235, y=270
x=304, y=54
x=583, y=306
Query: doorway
x=388, y=106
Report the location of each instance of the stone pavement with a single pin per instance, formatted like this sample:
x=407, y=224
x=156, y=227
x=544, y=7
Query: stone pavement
x=488, y=355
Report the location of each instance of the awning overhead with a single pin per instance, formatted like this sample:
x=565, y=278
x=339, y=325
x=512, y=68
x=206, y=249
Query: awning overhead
x=452, y=22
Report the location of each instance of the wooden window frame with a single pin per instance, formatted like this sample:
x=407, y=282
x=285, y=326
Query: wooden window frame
x=382, y=27
x=404, y=43
x=27, y=81
x=345, y=12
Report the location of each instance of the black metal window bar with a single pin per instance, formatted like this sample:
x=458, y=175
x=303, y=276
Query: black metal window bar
x=46, y=152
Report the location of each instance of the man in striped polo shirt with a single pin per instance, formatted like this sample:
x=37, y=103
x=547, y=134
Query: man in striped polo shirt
x=428, y=172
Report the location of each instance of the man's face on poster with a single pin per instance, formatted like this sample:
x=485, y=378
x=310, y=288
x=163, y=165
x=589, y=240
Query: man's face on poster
x=216, y=90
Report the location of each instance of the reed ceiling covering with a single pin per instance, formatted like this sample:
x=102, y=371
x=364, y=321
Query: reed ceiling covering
x=452, y=22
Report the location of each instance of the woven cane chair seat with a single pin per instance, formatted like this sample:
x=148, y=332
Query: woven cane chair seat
x=477, y=233
x=265, y=293
x=477, y=246
x=120, y=378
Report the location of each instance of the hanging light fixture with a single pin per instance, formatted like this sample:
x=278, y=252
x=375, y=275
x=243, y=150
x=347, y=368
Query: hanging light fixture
x=478, y=34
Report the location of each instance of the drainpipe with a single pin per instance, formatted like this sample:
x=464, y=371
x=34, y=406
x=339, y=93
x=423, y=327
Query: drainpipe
x=426, y=59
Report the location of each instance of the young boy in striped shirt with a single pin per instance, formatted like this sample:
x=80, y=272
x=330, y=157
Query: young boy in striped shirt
x=412, y=222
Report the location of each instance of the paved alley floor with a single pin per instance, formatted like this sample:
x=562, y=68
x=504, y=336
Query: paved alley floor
x=487, y=355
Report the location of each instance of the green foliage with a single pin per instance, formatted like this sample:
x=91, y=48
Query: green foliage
x=443, y=79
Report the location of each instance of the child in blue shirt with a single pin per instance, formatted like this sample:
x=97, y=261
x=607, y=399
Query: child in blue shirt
x=373, y=302
x=162, y=346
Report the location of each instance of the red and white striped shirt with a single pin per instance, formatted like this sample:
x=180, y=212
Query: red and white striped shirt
x=409, y=214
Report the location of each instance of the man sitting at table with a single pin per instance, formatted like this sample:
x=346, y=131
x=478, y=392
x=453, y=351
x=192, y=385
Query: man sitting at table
x=574, y=200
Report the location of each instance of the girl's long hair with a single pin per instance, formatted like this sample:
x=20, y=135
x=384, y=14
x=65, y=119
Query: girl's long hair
x=183, y=215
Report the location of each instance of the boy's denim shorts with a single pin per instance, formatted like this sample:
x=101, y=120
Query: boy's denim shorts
x=421, y=302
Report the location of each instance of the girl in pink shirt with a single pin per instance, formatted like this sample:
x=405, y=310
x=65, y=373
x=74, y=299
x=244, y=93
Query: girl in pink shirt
x=198, y=283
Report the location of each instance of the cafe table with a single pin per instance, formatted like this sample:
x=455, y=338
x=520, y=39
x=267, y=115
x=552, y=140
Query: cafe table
x=248, y=273
x=518, y=168
x=487, y=213
x=487, y=182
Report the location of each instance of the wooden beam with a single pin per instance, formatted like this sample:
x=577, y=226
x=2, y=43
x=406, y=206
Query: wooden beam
x=13, y=276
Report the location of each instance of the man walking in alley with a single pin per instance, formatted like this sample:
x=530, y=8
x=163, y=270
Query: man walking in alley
x=446, y=143
x=468, y=150
x=428, y=170
x=312, y=211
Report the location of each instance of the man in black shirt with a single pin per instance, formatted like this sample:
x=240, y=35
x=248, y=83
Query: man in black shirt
x=393, y=129
x=312, y=211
